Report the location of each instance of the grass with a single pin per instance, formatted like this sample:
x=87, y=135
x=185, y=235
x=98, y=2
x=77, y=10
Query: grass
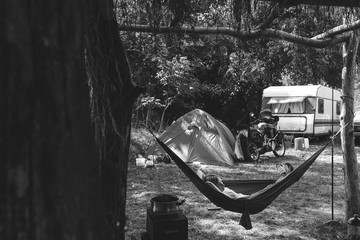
x=303, y=211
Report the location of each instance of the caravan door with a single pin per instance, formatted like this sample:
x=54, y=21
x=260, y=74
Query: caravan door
x=326, y=119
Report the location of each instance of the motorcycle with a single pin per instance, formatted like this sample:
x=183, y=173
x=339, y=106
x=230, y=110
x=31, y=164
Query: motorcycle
x=262, y=136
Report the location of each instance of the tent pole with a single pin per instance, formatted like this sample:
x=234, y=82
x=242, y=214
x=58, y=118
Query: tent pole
x=332, y=155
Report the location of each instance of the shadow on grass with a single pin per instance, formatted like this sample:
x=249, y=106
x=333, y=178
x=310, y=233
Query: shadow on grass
x=300, y=212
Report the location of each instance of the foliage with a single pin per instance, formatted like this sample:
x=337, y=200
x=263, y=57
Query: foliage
x=177, y=79
x=140, y=141
x=308, y=65
x=224, y=76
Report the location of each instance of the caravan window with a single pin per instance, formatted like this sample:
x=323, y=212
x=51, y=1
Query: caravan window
x=290, y=104
x=264, y=103
x=285, y=104
x=310, y=105
x=321, y=106
x=338, y=108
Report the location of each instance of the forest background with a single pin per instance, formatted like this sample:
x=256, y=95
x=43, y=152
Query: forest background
x=223, y=75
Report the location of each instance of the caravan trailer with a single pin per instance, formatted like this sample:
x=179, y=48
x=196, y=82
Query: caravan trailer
x=309, y=110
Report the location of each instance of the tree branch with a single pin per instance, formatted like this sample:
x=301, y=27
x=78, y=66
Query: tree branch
x=245, y=35
x=340, y=3
x=339, y=30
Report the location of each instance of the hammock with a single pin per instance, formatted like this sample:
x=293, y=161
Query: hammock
x=262, y=192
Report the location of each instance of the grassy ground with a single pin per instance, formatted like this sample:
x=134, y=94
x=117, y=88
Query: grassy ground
x=303, y=211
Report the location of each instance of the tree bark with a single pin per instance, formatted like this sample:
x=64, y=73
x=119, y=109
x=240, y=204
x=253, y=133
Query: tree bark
x=148, y=114
x=49, y=170
x=352, y=196
x=113, y=95
x=167, y=105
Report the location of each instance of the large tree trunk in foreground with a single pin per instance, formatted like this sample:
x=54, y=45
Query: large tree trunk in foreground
x=113, y=96
x=352, y=196
x=49, y=167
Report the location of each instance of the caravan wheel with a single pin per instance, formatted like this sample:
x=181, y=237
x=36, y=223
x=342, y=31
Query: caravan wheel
x=252, y=152
x=279, y=150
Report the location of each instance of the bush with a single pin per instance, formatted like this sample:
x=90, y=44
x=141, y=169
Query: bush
x=140, y=142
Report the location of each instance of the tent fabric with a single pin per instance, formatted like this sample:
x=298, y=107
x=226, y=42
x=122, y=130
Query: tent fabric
x=198, y=137
x=257, y=201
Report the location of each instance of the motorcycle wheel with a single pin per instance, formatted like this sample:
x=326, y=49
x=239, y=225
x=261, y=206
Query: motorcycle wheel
x=279, y=150
x=252, y=152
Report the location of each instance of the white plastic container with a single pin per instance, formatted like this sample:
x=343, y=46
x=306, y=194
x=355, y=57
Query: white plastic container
x=149, y=164
x=140, y=162
x=306, y=143
x=299, y=143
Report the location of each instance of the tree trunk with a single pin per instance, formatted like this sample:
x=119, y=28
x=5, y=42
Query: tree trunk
x=352, y=196
x=167, y=105
x=49, y=169
x=161, y=128
x=148, y=114
x=113, y=95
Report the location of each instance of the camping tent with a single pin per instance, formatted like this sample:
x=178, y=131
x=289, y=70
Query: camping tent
x=198, y=137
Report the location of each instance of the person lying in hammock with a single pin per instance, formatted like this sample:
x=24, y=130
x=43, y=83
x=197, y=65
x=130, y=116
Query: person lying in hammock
x=284, y=168
x=216, y=183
